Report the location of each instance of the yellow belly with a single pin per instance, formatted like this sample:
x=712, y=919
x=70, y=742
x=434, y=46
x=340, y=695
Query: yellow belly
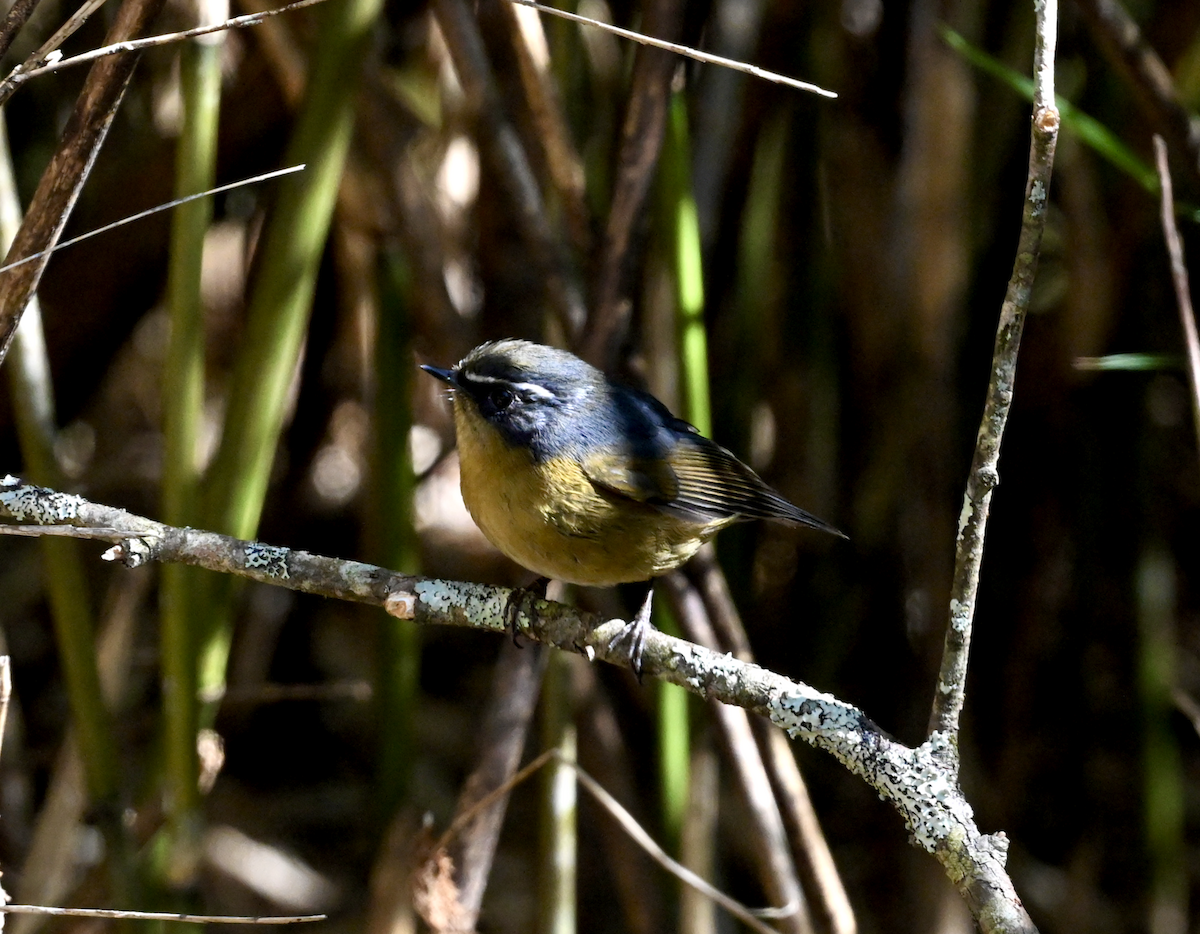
x=550, y=519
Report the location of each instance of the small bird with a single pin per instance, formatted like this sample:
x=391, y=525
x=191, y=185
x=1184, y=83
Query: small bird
x=583, y=480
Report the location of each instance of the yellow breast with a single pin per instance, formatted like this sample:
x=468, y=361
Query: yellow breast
x=550, y=519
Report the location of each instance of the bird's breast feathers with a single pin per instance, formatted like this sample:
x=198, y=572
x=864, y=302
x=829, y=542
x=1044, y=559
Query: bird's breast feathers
x=551, y=518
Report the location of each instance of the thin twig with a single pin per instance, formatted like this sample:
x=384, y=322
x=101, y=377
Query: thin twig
x=707, y=57
x=1179, y=276
x=237, y=22
x=47, y=50
x=253, y=180
x=638, y=834
x=1122, y=41
x=18, y=14
x=476, y=808
x=628, y=823
x=155, y=915
x=917, y=782
x=70, y=165
x=642, y=133
x=5, y=693
x=972, y=524
x=502, y=148
x=63, y=531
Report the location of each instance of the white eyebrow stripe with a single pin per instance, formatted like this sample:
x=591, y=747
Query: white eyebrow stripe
x=532, y=389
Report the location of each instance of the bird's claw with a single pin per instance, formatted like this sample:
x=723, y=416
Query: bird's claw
x=516, y=600
x=636, y=631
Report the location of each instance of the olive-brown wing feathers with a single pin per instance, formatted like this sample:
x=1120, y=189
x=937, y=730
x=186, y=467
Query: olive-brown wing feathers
x=697, y=480
x=644, y=480
x=714, y=482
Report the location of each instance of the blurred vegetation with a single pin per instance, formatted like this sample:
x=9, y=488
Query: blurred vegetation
x=840, y=266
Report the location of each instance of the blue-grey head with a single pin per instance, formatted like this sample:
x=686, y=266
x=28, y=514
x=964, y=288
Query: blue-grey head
x=537, y=397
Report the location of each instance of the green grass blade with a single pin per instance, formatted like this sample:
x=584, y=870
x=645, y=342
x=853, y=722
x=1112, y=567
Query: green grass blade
x=281, y=298
x=183, y=405
x=1087, y=128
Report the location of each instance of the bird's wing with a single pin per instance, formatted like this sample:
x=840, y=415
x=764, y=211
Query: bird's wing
x=658, y=459
x=700, y=481
x=645, y=480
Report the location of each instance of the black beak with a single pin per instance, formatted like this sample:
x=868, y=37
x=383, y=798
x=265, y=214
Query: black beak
x=446, y=376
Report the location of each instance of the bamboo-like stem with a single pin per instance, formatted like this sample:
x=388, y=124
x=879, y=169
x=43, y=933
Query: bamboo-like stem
x=65, y=579
x=390, y=528
x=972, y=524
x=559, y=837
x=183, y=408
x=678, y=217
x=278, y=309
x=688, y=268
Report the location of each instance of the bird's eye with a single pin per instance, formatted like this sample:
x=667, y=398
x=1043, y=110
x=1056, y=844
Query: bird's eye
x=500, y=399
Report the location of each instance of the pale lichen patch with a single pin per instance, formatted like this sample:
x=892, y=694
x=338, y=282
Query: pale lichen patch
x=44, y=507
x=272, y=560
x=481, y=607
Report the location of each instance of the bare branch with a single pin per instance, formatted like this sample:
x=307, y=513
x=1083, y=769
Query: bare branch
x=69, y=167
x=1179, y=276
x=18, y=14
x=919, y=783
x=253, y=180
x=972, y=523
x=5, y=693
x=48, y=50
x=237, y=22
x=706, y=57
x=155, y=915
x=1122, y=41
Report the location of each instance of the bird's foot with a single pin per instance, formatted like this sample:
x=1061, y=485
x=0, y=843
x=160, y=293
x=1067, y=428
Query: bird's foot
x=516, y=600
x=636, y=631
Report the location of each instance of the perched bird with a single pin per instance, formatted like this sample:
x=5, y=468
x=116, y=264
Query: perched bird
x=580, y=479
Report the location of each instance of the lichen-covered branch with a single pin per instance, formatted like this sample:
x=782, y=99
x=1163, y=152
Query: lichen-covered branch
x=917, y=782
x=984, y=476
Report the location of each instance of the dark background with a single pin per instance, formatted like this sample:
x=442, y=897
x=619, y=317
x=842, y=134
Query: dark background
x=850, y=336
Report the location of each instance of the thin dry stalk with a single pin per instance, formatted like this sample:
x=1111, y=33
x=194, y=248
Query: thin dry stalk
x=64, y=177
x=972, y=524
x=17, y=16
x=706, y=57
x=553, y=135
x=510, y=708
x=829, y=905
x=1122, y=42
x=501, y=147
x=116, y=915
x=777, y=869
x=642, y=136
x=1179, y=277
